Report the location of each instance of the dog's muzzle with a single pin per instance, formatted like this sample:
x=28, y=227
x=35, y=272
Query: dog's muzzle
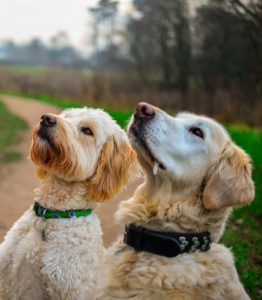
x=47, y=123
x=144, y=113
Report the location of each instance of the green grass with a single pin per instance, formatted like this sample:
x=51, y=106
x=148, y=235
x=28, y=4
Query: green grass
x=10, y=127
x=243, y=234
x=24, y=69
x=121, y=117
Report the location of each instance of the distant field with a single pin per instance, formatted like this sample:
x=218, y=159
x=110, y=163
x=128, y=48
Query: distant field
x=243, y=234
x=122, y=90
x=10, y=129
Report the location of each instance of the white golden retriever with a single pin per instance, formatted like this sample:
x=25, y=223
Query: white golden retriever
x=54, y=250
x=194, y=175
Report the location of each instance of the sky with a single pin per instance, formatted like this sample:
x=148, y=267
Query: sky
x=21, y=20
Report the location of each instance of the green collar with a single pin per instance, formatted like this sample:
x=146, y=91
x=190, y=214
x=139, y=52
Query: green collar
x=60, y=214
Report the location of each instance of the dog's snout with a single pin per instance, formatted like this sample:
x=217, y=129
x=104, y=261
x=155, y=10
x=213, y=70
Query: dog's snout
x=48, y=121
x=145, y=111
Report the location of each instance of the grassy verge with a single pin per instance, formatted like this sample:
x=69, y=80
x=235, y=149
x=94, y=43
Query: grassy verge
x=121, y=117
x=10, y=127
x=243, y=234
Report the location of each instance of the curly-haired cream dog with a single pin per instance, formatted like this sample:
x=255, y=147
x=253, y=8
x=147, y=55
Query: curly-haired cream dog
x=54, y=250
x=194, y=175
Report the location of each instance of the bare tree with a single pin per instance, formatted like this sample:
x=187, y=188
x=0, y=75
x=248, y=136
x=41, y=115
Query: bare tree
x=161, y=37
x=104, y=14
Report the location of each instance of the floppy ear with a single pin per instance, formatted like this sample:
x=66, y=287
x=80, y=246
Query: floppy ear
x=117, y=162
x=229, y=181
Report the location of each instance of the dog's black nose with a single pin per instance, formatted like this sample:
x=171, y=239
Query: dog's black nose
x=145, y=111
x=48, y=121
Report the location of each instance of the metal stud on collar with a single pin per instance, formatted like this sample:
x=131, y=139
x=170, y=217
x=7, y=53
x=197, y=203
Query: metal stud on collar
x=193, y=248
x=183, y=243
x=182, y=247
x=197, y=244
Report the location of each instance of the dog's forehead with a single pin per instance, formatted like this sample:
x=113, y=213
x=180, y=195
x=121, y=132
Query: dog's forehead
x=191, y=118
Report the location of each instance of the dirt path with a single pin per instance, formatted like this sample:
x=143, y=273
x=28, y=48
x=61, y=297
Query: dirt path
x=17, y=180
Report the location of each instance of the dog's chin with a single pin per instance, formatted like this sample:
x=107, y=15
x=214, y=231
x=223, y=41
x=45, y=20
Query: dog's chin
x=45, y=139
x=145, y=155
x=49, y=159
x=43, y=150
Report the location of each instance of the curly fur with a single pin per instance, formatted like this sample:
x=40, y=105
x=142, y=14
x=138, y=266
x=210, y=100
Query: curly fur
x=60, y=259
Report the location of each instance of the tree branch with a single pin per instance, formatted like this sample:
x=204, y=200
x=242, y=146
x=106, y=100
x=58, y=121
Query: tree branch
x=247, y=11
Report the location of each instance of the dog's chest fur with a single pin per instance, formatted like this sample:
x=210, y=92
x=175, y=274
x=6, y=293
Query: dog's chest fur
x=143, y=275
x=62, y=266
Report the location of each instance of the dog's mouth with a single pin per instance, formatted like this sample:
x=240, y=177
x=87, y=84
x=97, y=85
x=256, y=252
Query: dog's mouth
x=142, y=144
x=46, y=136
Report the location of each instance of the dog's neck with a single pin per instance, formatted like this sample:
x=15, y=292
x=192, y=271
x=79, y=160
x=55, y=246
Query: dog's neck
x=159, y=205
x=55, y=193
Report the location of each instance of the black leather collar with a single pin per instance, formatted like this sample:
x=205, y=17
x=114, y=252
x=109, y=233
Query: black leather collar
x=169, y=244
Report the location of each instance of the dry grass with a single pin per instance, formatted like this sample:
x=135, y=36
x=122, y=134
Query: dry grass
x=124, y=91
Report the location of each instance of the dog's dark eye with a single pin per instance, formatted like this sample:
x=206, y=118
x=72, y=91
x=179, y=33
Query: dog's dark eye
x=197, y=131
x=86, y=131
